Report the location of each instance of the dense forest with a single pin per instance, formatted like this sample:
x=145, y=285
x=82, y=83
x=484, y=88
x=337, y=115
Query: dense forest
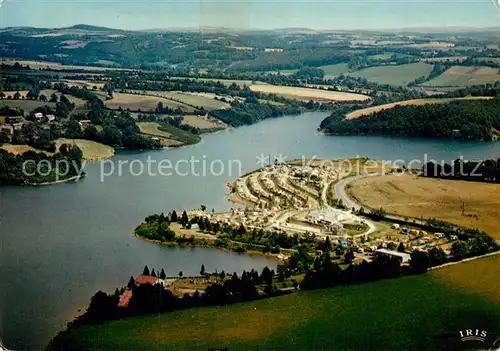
x=465, y=119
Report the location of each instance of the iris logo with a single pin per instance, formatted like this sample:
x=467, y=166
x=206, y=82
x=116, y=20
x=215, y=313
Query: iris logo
x=473, y=335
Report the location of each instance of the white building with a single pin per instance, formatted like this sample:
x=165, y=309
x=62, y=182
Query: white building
x=404, y=257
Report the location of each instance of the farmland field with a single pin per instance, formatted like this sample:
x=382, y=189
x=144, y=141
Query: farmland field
x=58, y=66
x=226, y=82
x=134, y=102
x=308, y=93
x=489, y=59
x=26, y=105
x=192, y=99
x=415, y=102
x=461, y=76
x=412, y=313
x=92, y=151
x=425, y=197
x=394, y=75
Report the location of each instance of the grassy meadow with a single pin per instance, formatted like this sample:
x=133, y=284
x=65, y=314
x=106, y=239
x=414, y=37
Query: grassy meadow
x=412, y=313
x=394, y=75
x=335, y=70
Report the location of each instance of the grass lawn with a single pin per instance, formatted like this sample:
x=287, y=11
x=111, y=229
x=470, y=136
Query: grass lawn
x=461, y=76
x=395, y=75
x=195, y=100
x=413, y=313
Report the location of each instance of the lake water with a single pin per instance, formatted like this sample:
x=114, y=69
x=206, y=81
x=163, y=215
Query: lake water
x=61, y=244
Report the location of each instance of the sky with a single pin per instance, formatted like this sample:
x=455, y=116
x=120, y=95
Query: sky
x=251, y=14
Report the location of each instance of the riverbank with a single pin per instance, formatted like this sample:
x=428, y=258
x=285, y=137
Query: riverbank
x=62, y=181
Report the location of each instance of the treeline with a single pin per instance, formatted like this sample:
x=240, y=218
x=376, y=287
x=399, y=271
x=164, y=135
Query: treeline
x=148, y=299
x=477, y=171
x=249, y=113
x=471, y=120
x=32, y=168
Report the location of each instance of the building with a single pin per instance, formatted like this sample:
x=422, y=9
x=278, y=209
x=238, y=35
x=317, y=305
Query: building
x=39, y=116
x=404, y=257
x=327, y=216
x=148, y=279
x=125, y=299
x=51, y=118
x=85, y=123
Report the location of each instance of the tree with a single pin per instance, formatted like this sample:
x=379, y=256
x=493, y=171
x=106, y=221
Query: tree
x=222, y=275
x=131, y=283
x=349, y=256
x=2, y=95
x=173, y=217
x=460, y=250
x=181, y=274
x=17, y=96
x=162, y=274
x=202, y=270
x=391, y=246
x=160, y=108
x=184, y=218
x=436, y=256
x=401, y=247
x=153, y=273
x=266, y=276
x=42, y=97
x=145, y=271
x=419, y=262
x=203, y=208
x=53, y=97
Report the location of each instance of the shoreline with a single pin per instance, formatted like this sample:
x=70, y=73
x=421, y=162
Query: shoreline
x=62, y=181
x=279, y=257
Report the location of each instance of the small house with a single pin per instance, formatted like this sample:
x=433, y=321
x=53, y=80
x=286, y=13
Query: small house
x=39, y=116
x=146, y=279
x=50, y=118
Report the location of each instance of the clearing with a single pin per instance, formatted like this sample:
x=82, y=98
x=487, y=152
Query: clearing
x=413, y=313
x=92, y=151
x=416, y=102
x=201, y=122
x=332, y=71
x=153, y=129
x=420, y=197
x=394, y=74
x=308, y=93
x=145, y=103
x=461, y=76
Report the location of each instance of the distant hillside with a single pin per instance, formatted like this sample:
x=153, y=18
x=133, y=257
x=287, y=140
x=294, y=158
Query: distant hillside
x=91, y=28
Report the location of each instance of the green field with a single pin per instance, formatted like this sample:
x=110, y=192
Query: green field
x=395, y=75
x=335, y=70
x=461, y=76
x=413, y=313
x=26, y=105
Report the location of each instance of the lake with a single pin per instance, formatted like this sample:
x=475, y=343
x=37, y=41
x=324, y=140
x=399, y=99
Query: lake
x=61, y=244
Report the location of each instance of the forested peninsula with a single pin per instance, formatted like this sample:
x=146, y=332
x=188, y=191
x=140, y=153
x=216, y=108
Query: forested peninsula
x=463, y=119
